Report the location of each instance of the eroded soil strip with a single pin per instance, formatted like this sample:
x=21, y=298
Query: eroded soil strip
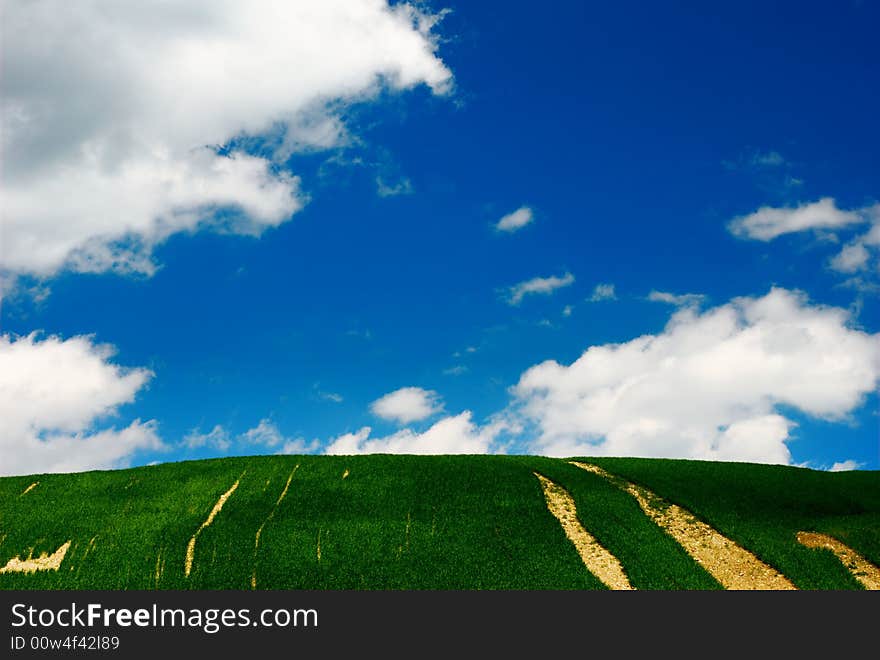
x=861, y=569
x=45, y=562
x=732, y=565
x=597, y=559
x=29, y=488
x=191, y=547
x=268, y=518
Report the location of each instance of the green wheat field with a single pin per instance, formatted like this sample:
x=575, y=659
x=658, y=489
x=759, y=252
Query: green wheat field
x=418, y=522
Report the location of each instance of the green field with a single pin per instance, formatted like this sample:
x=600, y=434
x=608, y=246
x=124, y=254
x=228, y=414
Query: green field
x=413, y=522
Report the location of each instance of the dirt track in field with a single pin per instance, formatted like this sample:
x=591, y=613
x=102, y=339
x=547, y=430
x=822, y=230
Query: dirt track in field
x=29, y=488
x=861, y=569
x=597, y=559
x=45, y=562
x=268, y=518
x=732, y=565
x=191, y=547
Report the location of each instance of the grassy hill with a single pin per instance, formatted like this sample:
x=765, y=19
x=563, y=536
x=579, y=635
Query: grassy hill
x=417, y=522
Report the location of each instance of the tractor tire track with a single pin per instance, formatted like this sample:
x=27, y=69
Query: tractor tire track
x=732, y=565
x=597, y=559
x=191, y=547
x=861, y=569
x=268, y=518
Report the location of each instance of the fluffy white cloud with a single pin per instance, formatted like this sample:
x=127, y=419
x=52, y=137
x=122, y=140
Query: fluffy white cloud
x=845, y=466
x=851, y=258
x=859, y=254
x=679, y=300
x=408, y=404
x=708, y=387
x=515, y=220
x=602, y=292
x=768, y=222
x=451, y=435
x=217, y=437
x=543, y=285
x=265, y=434
x=112, y=112
x=53, y=394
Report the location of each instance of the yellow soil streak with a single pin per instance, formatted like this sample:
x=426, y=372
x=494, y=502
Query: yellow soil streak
x=861, y=569
x=29, y=488
x=191, y=547
x=268, y=518
x=597, y=559
x=732, y=565
x=45, y=562
x=159, y=566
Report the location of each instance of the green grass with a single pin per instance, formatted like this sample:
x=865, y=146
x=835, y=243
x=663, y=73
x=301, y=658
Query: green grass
x=416, y=522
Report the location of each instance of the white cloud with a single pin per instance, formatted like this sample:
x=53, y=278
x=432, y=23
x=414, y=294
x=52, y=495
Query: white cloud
x=768, y=222
x=451, y=435
x=408, y=404
x=53, y=395
x=852, y=258
x=111, y=113
x=457, y=370
x=299, y=446
x=708, y=387
x=845, y=466
x=217, y=437
x=543, y=285
x=566, y=311
x=861, y=251
x=402, y=187
x=331, y=396
x=265, y=433
x=679, y=300
x=602, y=292
x=515, y=220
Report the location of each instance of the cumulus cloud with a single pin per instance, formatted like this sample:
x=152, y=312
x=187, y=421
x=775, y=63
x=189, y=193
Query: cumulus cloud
x=863, y=252
x=265, y=434
x=679, y=300
x=542, y=285
x=710, y=386
x=768, y=222
x=845, y=466
x=456, y=434
x=125, y=123
x=602, y=292
x=516, y=220
x=54, y=394
x=218, y=437
x=408, y=404
x=860, y=254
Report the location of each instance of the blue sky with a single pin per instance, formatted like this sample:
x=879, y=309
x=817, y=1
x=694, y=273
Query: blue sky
x=647, y=145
